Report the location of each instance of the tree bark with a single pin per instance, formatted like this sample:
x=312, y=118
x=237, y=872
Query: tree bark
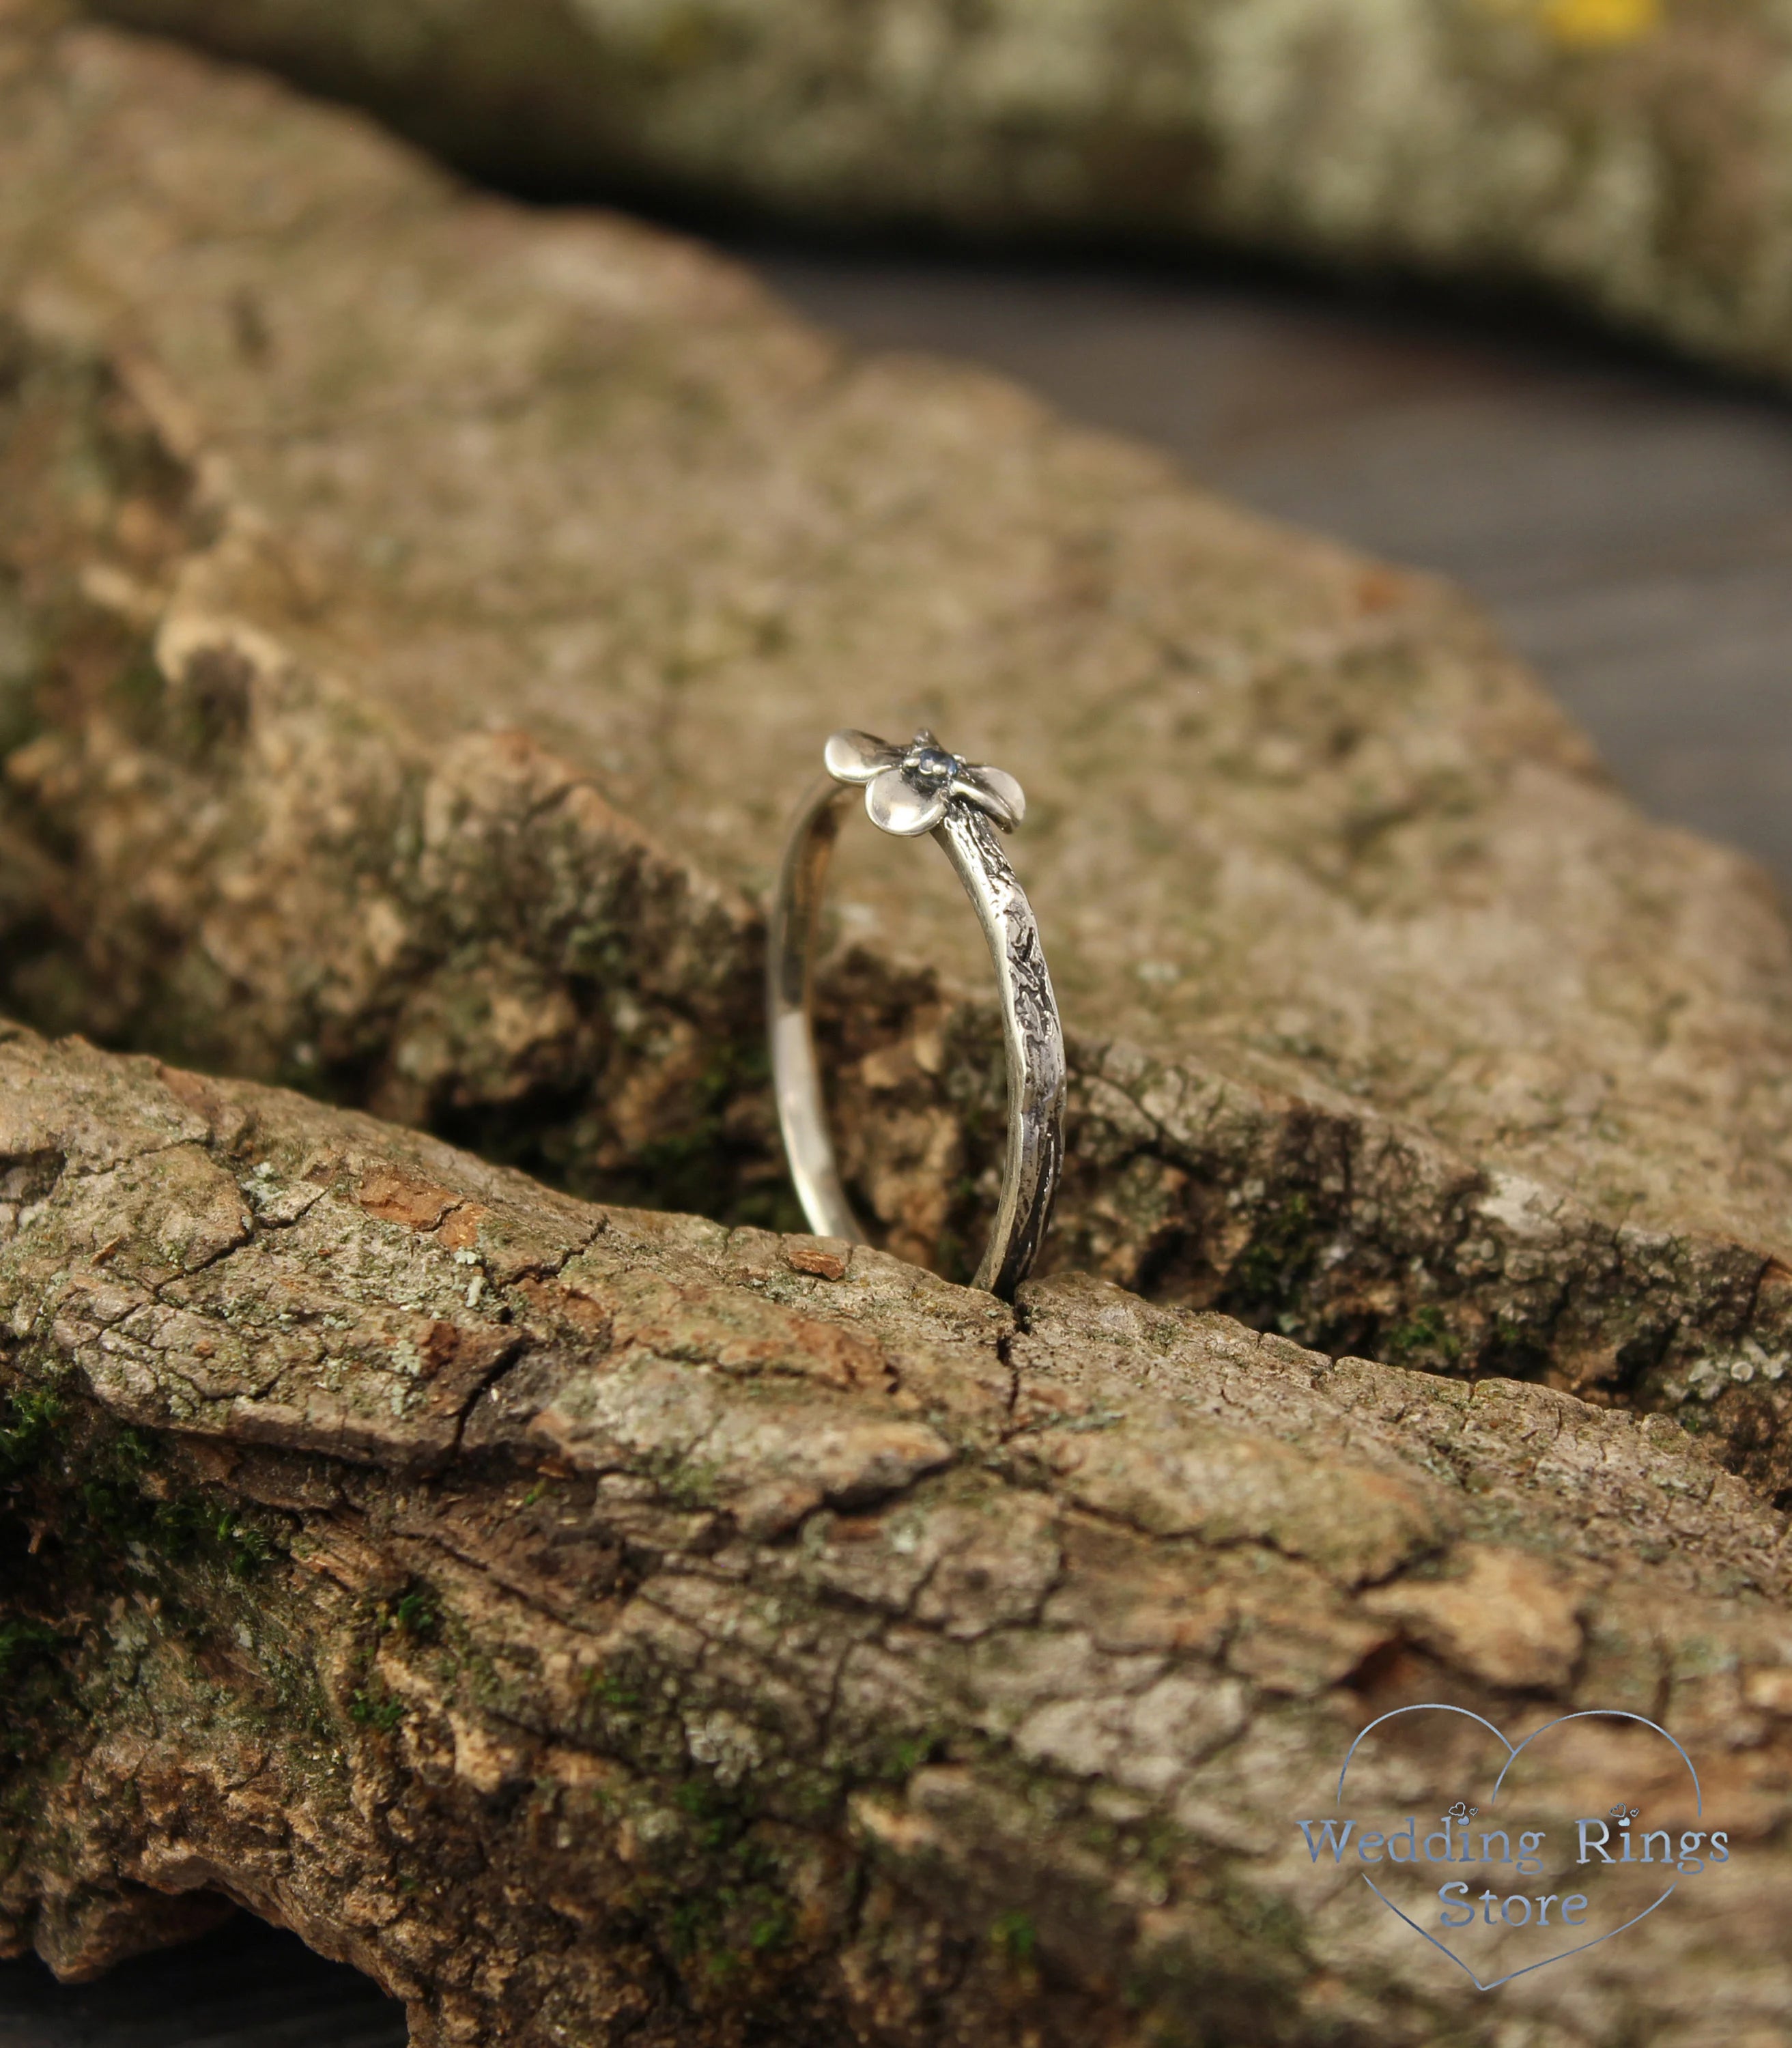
x=603, y=1625
x=416, y=616
x=1628, y=155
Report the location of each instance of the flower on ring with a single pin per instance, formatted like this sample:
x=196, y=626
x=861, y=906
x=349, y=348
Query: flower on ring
x=907, y=789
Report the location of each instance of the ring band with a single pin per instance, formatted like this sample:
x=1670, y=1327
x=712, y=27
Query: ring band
x=909, y=791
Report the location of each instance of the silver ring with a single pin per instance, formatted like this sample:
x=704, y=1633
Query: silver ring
x=910, y=790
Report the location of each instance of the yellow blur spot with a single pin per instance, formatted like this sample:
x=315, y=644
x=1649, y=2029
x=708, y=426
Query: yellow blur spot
x=1588, y=24
x=1582, y=22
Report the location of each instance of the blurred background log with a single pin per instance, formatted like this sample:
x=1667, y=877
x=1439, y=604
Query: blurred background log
x=1633, y=157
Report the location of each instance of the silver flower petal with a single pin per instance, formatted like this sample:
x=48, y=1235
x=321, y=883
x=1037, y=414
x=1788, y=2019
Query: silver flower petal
x=994, y=790
x=894, y=804
x=858, y=757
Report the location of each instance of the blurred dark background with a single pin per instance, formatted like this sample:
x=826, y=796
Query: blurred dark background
x=1628, y=520
x=246, y=1986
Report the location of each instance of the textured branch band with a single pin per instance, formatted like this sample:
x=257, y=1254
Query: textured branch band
x=910, y=790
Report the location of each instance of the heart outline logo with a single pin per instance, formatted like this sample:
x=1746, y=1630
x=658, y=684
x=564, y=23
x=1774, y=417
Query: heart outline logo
x=1514, y=1751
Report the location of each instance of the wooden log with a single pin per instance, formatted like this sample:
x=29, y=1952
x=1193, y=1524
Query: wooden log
x=600, y=1625
x=417, y=615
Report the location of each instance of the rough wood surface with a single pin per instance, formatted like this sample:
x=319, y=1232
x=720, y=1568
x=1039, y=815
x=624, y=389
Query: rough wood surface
x=600, y=1625
x=1629, y=154
x=1394, y=1027
x=1624, y=521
